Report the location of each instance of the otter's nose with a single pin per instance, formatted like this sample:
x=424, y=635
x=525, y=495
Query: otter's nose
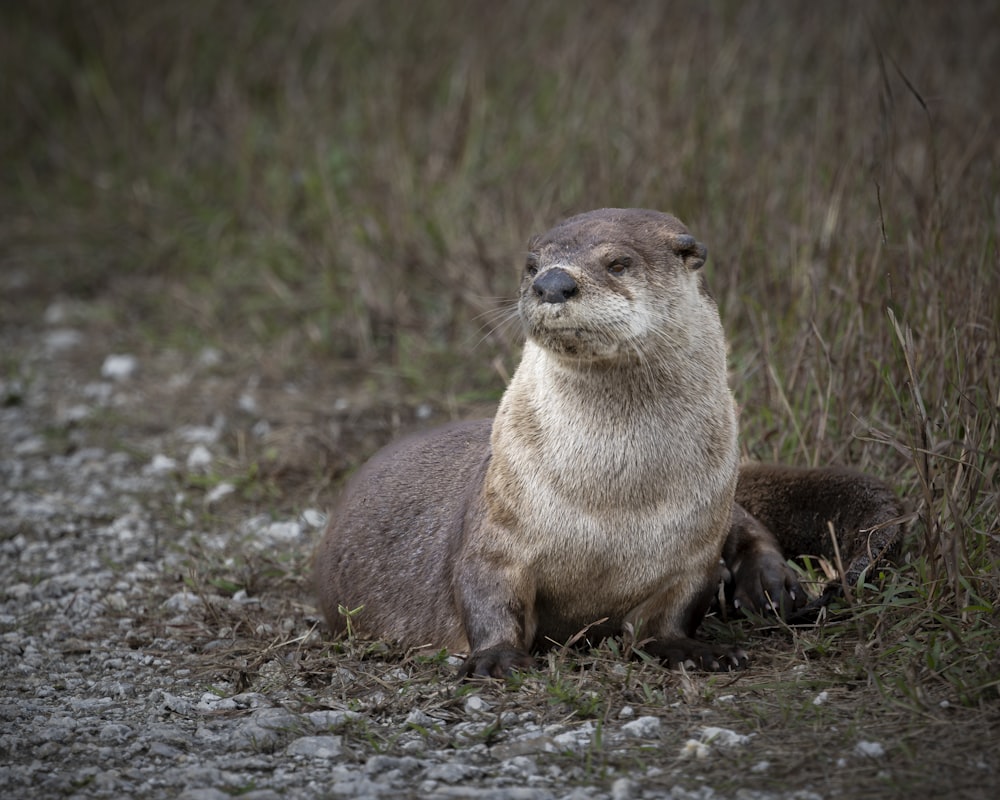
x=554, y=286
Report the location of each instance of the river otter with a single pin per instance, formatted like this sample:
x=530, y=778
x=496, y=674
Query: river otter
x=600, y=497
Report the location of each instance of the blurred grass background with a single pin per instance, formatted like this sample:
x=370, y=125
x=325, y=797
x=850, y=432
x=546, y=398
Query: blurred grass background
x=353, y=183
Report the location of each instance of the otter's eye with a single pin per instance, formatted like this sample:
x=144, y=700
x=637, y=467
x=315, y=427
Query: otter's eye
x=531, y=268
x=619, y=265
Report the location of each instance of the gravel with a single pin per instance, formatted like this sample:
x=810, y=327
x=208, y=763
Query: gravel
x=106, y=655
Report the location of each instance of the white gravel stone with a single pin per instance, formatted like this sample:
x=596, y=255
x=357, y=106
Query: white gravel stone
x=379, y=764
x=248, y=403
x=642, y=728
x=452, y=772
x=314, y=518
x=218, y=492
x=198, y=434
x=475, y=705
x=421, y=719
x=114, y=732
x=161, y=465
x=62, y=339
x=199, y=458
x=624, y=789
x=283, y=532
x=316, y=747
x=869, y=749
x=692, y=748
x=723, y=737
x=182, y=601
x=119, y=367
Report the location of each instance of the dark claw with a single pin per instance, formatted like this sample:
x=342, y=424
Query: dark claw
x=495, y=662
x=692, y=654
x=765, y=584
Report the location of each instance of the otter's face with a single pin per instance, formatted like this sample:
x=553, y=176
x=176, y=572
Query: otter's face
x=605, y=284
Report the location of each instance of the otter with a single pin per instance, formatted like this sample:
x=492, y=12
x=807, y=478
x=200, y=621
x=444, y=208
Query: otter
x=605, y=496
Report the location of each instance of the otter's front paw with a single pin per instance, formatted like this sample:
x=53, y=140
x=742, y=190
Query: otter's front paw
x=764, y=583
x=690, y=653
x=496, y=662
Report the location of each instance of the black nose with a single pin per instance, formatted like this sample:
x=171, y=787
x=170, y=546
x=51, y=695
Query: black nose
x=554, y=286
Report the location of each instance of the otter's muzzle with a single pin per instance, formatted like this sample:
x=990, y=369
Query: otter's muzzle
x=555, y=285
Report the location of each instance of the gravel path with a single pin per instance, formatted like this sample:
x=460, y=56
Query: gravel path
x=110, y=664
x=101, y=693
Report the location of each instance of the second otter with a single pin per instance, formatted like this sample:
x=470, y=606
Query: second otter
x=601, y=496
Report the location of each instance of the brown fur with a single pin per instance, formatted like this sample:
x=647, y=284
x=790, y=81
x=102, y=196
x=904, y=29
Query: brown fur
x=798, y=506
x=602, y=494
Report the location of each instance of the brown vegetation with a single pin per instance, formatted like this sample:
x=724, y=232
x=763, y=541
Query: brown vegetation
x=336, y=196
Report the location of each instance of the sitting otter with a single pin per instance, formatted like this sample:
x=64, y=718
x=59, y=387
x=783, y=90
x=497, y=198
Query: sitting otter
x=601, y=496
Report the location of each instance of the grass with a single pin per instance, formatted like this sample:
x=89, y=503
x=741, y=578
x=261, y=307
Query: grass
x=335, y=197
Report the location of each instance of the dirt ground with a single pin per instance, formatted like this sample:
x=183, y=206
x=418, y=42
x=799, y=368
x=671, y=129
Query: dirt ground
x=818, y=718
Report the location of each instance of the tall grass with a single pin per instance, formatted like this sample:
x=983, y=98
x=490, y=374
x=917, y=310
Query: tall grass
x=359, y=179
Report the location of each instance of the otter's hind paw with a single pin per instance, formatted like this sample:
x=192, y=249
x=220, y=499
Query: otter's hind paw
x=764, y=584
x=692, y=654
x=496, y=662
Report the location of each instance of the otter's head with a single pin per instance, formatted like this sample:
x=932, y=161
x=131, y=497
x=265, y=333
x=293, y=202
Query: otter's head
x=612, y=283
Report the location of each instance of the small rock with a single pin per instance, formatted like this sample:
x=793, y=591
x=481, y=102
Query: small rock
x=316, y=747
x=114, y=732
x=161, y=465
x=821, y=698
x=250, y=700
x=265, y=729
x=313, y=518
x=520, y=766
x=62, y=339
x=421, y=720
x=642, y=728
x=692, y=748
x=212, y=703
x=474, y=704
x=199, y=458
x=723, y=737
x=242, y=599
x=56, y=313
x=869, y=749
x=576, y=738
x=204, y=794
x=182, y=601
x=379, y=764
x=330, y=718
x=119, y=367
x=283, y=532
x=179, y=705
x=31, y=446
x=248, y=403
x=75, y=413
x=216, y=493
x=210, y=357
x=624, y=789
x=198, y=434
x=451, y=773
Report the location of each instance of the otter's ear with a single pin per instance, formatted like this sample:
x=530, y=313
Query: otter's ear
x=692, y=252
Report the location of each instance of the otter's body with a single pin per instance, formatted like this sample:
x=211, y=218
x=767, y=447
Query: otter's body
x=602, y=494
